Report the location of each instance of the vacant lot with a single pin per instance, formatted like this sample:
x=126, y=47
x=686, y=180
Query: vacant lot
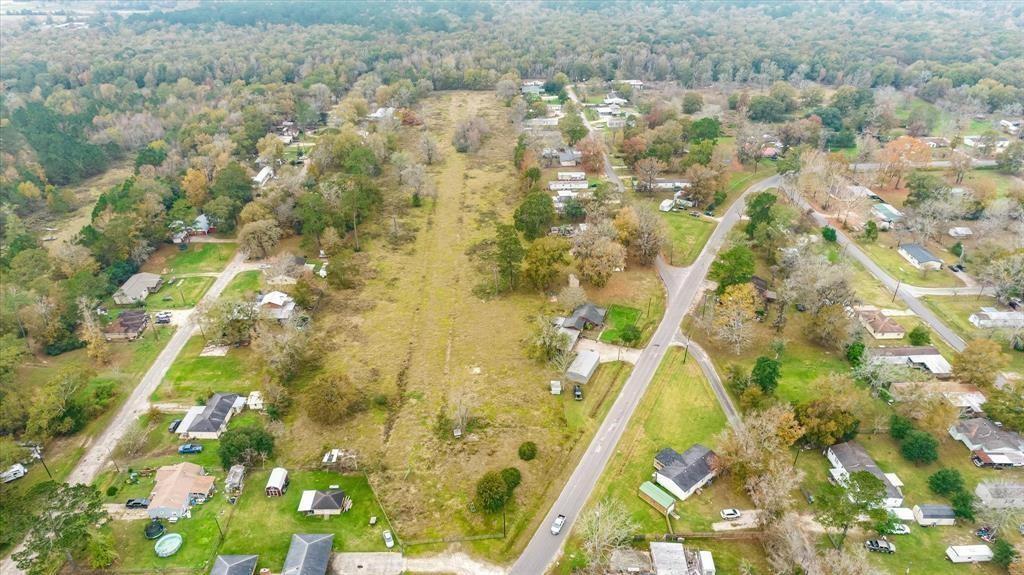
x=243, y=284
x=198, y=258
x=179, y=293
x=687, y=235
x=192, y=376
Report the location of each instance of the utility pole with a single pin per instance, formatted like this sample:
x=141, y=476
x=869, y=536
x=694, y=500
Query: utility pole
x=897, y=290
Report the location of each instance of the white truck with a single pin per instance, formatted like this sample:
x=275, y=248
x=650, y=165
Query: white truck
x=16, y=471
x=969, y=553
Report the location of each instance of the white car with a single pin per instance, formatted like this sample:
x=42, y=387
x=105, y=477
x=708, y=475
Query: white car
x=729, y=514
x=389, y=541
x=901, y=529
x=556, y=527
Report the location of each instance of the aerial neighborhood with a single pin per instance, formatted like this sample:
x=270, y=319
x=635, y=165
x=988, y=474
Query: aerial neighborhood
x=524, y=288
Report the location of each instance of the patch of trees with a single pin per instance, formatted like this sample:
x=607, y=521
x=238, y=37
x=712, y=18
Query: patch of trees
x=469, y=134
x=496, y=489
x=249, y=446
x=60, y=142
x=915, y=445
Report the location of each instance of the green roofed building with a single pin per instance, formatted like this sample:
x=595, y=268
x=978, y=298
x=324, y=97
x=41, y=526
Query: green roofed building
x=657, y=497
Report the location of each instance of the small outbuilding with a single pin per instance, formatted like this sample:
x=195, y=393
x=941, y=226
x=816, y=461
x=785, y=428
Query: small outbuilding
x=128, y=326
x=657, y=498
x=960, y=232
x=667, y=205
x=324, y=503
x=969, y=553
x=583, y=367
x=277, y=484
x=233, y=482
x=929, y=515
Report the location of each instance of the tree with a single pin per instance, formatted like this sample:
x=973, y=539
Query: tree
x=492, y=492
x=232, y=182
x=1011, y=161
x=788, y=547
x=705, y=182
x=734, y=316
x=508, y=253
x=600, y=260
x=196, y=187
x=825, y=423
x=919, y=447
x=96, y=343
x=246, y=445
x=759, y=211
x=469, y=134
x=281, y=351
x=642, y=231
x=900, y=427
x=841, y=506
x=571, y=297
x=101, y=551
x=920, y=335
x=871, y=231
x=1003, y=553
x=606, y=527
x=766, y=374
x=692, y=102
x=766, y=109
x=733, y=267
x=534, y=215
x=592, y=153
x=512, y=478
x=548, y=341
x=544, y=260
x=647, y=172
x=1003, y=273
x=963, y=503
x=228, y=320
x=62, y=525
x=946, y=481
x=855, y=352
x=331, y=397
x=429, y=150
x=571, y=125
x=258, y=239
x=979, y=362
x=830, y=234
x=527, y=451
x=830, y=327
x=900, y=154
x=270, y=149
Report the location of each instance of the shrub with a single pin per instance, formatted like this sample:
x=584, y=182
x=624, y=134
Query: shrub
x=112, y=491
x=629, y=334
x=920, y=447
x=946, y=481
x=919, y=336
x=829, y=233
x=528, y=451
x=1003, y=553
x=101, y=551
x=899, y=427
x=512, y=479
x=963, y=505
x=491, y=491
x=855, y=352
x=766, y=374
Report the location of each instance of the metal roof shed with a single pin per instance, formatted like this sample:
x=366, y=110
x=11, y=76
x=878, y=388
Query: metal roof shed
x=583, y=367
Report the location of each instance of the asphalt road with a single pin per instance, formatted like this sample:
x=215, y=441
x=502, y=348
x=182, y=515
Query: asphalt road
x=934, y=164
x=683, y=285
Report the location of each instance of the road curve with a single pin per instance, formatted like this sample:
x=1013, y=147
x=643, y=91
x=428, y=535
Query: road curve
x=544, y=548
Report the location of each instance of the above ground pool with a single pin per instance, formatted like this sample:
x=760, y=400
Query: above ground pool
x=168, y=545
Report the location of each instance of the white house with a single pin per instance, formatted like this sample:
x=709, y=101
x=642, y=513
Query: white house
x=210, y=420
x=851, y=457
x=929, y=515
x=919, y=257
x=263, y=176
x=572, y=176
x=923, y=357
x=682, y=474
x=886, y=213
x=969, y=553
x=990, y=444
x=667, y=205
x=990, y=317
x=277, y=305
x=567, y=185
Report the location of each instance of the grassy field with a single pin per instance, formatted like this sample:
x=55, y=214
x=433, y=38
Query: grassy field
x=687, y=236
x=896, y=266
x=954, y=312
x=191, y=376
x=198, y=258
x=677, y=388
x=243, y=284
x=637, y=288
x=179, y=293
x=619, y=317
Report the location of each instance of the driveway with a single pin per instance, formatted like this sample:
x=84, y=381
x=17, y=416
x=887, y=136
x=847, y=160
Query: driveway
x=119, y=512
x=748, y=520
x=610, y=352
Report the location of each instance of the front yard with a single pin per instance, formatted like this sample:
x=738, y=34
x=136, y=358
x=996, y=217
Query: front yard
x=894, y=264
x=686, y=236
x=198, y=258
x=179, y=293
x=193, y=376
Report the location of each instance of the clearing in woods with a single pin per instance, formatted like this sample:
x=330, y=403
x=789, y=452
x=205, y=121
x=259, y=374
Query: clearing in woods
x=418, y=341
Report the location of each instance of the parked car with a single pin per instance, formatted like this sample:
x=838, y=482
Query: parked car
x=879, y=546
x=173, y=426
x=190, y=448
x=389, y=541
x=577, y=392
x=556, y=527
x=957, y=267
x=730, y=514
x=901, y=529
x=695, y=214
x=709, y=213
x=136, y=503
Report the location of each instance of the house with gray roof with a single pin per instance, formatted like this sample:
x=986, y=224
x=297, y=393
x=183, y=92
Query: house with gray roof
x=324, y=503
x=851, y=457
x=1001, y=494
x=682, y=474
x=309, y=554
x=929, y=515
x=210, y=420
x=988, y=441
x=586, y=316
x=924, y=357
x=234, y=565
x=137, y=288
x=919, y=257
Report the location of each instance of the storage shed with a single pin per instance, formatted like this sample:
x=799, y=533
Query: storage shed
x=233, y=482
x=928, y=515
x=657, y=497
x=583, y=367
x=277, y=484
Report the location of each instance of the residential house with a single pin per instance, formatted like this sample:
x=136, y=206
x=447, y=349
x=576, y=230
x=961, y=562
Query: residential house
x=667, y=205
x=178, y=487
x=615, y=101
x=234, y=480
x=201, y=226
x=683, y=474
x=128, y=326
x=234, y=565
x=990, y=317
x=886, y=213
x=851, y=457
x=535, y=123
x=960, y=232
x=277, y=305
x=1008, y=379
x=616, y=123
x=1010, y=126
x=568, y=185
x=264, y=176
x=923, y=357
x=656, y=496
x=936, y=142
x=635, y=84
x=930, y=515
x=761, y=287
x=919, y=257
x=308, y=554
x=670, y=558
x=1000, y=495
x=586, y=316
x=324, y=503
x=572, y=176
x=532, y=89
x=277, y=484
x=671, y=184
x=583, y=367
x=210, y=420
x=628, y=561
x=880, y=326
x=990, y=444
x=137, y=288
x=569, y=157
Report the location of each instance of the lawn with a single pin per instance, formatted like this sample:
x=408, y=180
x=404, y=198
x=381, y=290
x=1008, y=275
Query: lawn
x=243, y=284
x=893, y=263
x=677, y=388
x=954, y=312
x=637, y=288
x=179, y=293
x=198, y=258
x=618, y=318
x=192, y=376
x=687, y=236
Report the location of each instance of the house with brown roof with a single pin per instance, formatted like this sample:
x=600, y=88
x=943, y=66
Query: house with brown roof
x=128, y=326
x=178, y=488
x=880, y=326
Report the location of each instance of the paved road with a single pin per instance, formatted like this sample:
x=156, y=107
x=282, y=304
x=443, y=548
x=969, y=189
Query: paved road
x=608, y=170
x=683, y=287
x=934, y=164
x=906, y=293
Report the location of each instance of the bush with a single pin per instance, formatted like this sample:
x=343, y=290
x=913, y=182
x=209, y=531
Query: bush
x=491, y=491
x=963, y=505
x=829, y=233
x=101, y=551
x=629, y=334
x=946, y=481
x=899, y=427
x=920, y=447
x=919, y=336
x=512, y=479
x=112, y=491
x=528, y=451
x=957, y=249
x=1003, y=553
x=855, y=352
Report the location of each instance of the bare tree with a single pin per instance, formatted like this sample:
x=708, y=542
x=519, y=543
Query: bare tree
x=789, y=548
x=429, y=150
x=605, y=528
x=469, y=134
x=133, y=441
x=647, y=172
x=282, y=349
